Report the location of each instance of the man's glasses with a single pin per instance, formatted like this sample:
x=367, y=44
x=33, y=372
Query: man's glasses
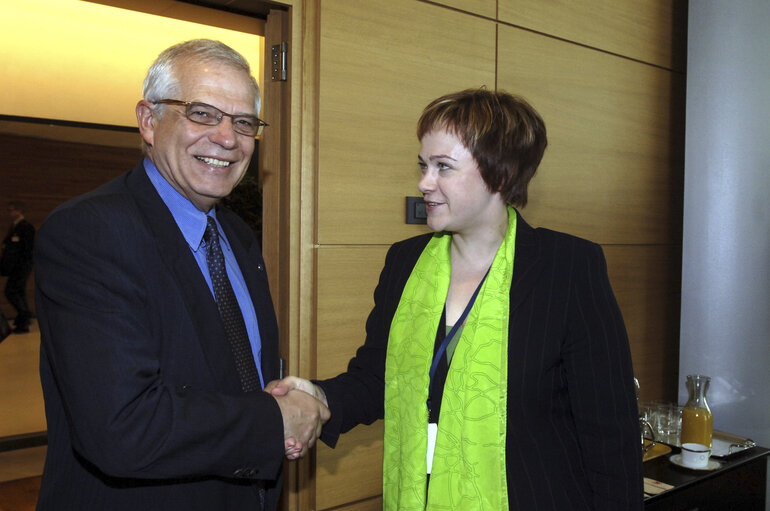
x=201, y=113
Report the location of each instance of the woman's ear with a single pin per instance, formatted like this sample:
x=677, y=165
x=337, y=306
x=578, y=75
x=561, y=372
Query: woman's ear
x=146, y=121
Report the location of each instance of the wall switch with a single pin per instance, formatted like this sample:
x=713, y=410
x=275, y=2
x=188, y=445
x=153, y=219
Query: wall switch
x=415, y=211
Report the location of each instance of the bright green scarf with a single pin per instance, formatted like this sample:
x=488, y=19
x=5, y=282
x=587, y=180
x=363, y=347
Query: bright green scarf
x=469, y=461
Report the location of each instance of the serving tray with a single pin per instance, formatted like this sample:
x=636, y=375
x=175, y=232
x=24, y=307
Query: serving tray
x=659, y=449
x=722, y=444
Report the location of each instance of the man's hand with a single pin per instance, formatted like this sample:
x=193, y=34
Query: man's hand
x=280, y=388
x=303, y=418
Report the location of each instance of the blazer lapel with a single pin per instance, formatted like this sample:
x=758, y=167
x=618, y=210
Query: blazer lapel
x=179, y=262
x=527, y=264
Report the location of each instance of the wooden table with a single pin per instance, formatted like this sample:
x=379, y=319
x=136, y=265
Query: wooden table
x=740, y=484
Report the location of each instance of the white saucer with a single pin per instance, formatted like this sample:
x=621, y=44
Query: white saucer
x=676, y=459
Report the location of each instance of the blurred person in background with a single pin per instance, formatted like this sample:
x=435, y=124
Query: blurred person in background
x=16, y=264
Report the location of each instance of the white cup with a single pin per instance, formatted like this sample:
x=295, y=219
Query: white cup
x=695, y=455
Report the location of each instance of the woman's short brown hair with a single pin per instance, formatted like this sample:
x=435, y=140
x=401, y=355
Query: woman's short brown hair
x=505, y=135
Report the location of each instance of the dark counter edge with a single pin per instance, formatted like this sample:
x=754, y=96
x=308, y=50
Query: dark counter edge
x=663, y=470
x=25, y=441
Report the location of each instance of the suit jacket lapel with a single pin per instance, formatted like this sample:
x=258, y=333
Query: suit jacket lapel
x=179, y=262
x=527, y=264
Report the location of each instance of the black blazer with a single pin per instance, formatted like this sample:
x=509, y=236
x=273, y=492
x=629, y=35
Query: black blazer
x=143, y=401
x=573, y=437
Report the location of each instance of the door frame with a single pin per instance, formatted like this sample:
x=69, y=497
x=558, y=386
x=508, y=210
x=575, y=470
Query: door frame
x=288, y=170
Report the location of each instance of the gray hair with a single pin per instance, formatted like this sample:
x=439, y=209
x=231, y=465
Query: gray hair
x=161, y=82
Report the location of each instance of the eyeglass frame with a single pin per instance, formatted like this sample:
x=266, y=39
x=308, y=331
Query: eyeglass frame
x=260, y=124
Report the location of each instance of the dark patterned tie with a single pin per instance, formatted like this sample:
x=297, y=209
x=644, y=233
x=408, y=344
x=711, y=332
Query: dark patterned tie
x=229, y=310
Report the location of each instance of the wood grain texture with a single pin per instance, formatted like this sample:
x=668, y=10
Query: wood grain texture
x=352, y=471
x=294, y=231
x=613, y=170
x=646, y=281
x=193, y=13
x=346, y=285
x=371, y=504
x=273, y=173
x=652, y=31
x=487, y=8
x=381, y=63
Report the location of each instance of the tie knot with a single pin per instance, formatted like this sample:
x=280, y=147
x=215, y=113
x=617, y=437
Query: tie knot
x=211, y=234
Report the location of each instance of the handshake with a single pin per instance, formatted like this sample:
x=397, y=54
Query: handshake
x=304, y=409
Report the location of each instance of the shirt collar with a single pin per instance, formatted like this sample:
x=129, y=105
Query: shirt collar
x=191, y=220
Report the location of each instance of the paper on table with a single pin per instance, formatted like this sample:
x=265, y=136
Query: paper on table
x=653, y=487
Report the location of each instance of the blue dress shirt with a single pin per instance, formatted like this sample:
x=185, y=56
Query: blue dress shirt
x=192, y=223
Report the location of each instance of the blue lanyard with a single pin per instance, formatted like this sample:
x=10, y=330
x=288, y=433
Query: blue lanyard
x=442, y=348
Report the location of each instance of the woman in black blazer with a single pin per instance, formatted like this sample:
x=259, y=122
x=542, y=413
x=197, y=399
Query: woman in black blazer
x=529, y=403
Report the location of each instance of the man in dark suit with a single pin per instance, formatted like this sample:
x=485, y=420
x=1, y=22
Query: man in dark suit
x=157, y=326
x=16, y=263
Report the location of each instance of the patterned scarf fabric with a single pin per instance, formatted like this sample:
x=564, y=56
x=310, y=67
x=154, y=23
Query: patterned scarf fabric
x=469, y=460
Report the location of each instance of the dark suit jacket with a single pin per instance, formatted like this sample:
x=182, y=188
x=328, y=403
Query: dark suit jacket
x=143, y=402
x=573, y=437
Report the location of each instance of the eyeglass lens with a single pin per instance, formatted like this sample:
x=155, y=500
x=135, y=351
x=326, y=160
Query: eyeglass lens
x=202, y=113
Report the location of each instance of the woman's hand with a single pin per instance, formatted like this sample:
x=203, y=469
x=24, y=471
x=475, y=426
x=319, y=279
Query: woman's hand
x=282, y=387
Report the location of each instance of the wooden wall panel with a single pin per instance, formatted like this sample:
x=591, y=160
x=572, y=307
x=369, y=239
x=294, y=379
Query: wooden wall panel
x=373, y=504
x=352, y=471
x=44, y=173
x=646, y=280
x=647, y=30
x=613, y=171
x=347, y=277
x=125, y=137
x=381, y=63
x=487, y=8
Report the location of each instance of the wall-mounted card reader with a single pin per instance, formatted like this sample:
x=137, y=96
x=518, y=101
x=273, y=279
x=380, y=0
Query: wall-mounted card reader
x=415, y=211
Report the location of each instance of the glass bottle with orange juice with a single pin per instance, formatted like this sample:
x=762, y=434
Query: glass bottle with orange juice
x=697, y=421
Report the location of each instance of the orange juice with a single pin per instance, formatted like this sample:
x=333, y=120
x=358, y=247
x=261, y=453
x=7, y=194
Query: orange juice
x=697, y=425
